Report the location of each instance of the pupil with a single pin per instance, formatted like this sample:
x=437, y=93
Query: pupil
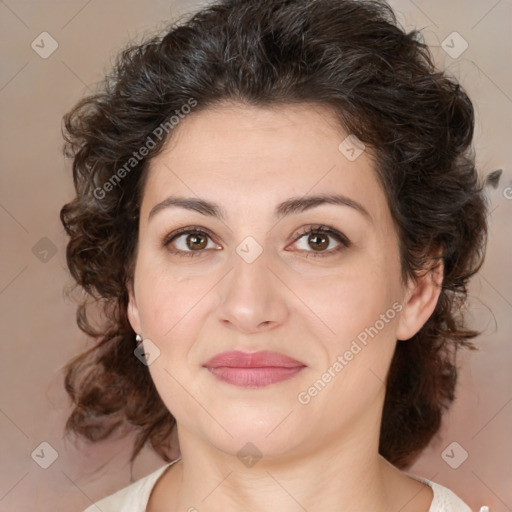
x=193, y=242
x=314, y=239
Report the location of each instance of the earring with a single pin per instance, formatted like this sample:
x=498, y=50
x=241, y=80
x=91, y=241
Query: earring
x=138, y=338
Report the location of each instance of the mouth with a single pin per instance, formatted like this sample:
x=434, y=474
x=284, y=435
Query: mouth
x=254, y=377
x=256, y=369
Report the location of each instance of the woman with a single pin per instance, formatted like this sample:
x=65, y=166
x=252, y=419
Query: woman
x=278, y=211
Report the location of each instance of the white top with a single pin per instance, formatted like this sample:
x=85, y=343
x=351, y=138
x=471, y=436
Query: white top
x=135, y=497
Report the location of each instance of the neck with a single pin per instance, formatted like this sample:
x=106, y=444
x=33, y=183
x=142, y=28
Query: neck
x=346, y=471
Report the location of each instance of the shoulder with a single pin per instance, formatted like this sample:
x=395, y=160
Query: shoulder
x=132, y=498
x=444, y=499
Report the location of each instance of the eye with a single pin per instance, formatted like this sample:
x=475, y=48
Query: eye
x=318, y=237
x=188, y=241
x=192, y=241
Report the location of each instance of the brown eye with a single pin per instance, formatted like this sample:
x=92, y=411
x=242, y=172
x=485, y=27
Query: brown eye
x=318, y=242
x=196, y=241
x=189, y=242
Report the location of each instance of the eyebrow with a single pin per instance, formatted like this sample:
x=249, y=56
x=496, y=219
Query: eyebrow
x=291, y=206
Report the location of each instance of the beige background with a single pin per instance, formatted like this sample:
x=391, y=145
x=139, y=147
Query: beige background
x=38, y=328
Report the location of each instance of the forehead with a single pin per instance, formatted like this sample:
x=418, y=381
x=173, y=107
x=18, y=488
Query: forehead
x=243, y=156
x=234, y=129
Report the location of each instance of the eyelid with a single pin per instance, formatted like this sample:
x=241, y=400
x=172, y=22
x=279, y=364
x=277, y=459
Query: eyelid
x=322, y=228
x=184, y=231
x=317, y=228
x=344, y=242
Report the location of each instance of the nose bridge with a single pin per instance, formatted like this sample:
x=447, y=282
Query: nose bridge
x=251, y=295
x=251, y=273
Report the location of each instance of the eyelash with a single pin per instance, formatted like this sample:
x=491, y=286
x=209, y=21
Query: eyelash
x=344, y=241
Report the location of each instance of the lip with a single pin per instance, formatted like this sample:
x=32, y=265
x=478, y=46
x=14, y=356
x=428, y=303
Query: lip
x=253, y=369
x=262, y=359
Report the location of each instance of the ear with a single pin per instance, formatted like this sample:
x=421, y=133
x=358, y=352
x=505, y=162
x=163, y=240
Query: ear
x=133, y=311
x=420, y=301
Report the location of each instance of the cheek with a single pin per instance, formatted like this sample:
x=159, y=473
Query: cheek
x=360, y=311
x=358, y=308
x=168, y=300
x=350, y=299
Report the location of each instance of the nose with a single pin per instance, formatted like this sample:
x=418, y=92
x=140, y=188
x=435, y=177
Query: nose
x=253, y=298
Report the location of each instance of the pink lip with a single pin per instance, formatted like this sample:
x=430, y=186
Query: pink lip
x=254, y=369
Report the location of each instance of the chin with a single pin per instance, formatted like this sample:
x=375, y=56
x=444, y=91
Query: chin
x=251, y=435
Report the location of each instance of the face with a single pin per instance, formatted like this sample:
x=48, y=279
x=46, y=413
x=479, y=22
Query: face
x=249, y=276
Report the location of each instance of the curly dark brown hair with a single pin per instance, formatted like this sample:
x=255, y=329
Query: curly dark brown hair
x=380, y=81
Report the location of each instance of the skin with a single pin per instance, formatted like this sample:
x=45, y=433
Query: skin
x=321, y=455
